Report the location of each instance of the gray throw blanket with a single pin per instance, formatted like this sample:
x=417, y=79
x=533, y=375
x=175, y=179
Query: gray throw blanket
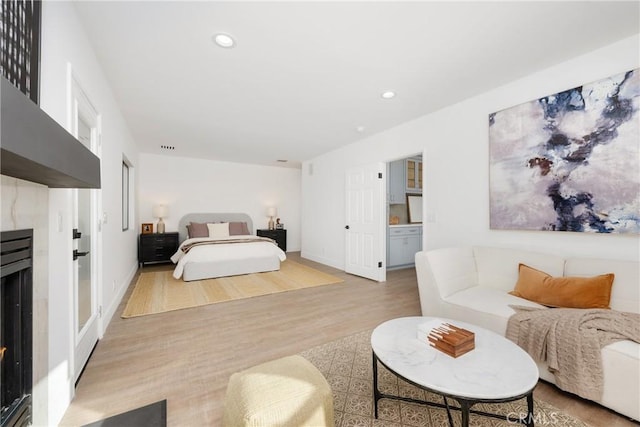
x=570, y=341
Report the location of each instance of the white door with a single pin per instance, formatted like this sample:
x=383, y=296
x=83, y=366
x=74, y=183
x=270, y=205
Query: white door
x=85, y=235
x=365, y=227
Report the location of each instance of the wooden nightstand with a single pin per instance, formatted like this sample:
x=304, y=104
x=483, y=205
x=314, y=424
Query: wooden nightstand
x=280, y=236
x=157, y=247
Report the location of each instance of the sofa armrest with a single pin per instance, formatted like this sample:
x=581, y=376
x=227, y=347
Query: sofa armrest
x=443, y=272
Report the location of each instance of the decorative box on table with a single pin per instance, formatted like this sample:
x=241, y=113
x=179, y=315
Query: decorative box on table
x=447, y=338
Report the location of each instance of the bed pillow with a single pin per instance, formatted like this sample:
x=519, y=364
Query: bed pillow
x=218, y=229
x=238, y=229
x=568, y=292
x=197, y=229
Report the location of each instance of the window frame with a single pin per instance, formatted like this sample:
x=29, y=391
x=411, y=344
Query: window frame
x=126, y=193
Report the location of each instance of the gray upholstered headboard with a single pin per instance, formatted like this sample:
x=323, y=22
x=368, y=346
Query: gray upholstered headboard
x=212, y=217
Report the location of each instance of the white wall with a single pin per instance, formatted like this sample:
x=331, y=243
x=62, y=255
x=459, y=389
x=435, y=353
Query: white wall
x=454, y=143
x=64, y=42
x=194, y=185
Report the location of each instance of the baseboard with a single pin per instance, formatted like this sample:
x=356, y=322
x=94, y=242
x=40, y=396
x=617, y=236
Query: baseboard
x=322, y=260
x=401, y=267
x=108, y=314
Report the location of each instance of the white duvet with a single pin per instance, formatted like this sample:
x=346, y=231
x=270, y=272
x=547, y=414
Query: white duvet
x=220, y=252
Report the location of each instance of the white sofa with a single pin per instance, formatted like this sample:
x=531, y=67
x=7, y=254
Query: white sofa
x=471, y=284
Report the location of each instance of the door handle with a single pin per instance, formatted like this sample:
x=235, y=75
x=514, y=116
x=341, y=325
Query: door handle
x=346, y=227
x=77, y=254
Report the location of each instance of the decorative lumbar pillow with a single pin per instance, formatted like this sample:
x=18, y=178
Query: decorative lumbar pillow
x=218, y=229
x=238, y=228
x=568, y=292
x=197, y=229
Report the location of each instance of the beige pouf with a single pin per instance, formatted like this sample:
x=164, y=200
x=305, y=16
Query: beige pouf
x=284, y=392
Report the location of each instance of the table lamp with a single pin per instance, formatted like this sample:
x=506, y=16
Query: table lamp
x=160, y=211
x=271, y=212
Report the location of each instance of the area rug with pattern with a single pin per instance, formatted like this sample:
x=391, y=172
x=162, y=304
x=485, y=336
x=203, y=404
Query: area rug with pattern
x=346, y=364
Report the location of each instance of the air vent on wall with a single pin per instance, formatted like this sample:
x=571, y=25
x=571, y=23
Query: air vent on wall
x=168, y=147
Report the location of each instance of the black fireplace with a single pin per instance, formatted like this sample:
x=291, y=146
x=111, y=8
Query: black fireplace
x=16, y=296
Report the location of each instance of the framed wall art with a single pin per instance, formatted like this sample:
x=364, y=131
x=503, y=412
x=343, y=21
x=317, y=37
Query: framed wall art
x=414, y=208
x=569, y=161
x=147, y=228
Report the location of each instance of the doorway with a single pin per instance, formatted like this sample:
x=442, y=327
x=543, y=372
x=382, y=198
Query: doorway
x=85, y=126
x=404, y=225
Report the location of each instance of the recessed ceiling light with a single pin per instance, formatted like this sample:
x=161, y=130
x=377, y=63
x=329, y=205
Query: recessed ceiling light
x=360, y=129
x=224, y=40
x=388, y=94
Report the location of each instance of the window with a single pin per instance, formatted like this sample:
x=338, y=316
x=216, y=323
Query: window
x=125, y=195
x=20, y=44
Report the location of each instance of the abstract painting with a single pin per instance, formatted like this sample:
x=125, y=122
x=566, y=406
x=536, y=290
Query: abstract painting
x=569, y=161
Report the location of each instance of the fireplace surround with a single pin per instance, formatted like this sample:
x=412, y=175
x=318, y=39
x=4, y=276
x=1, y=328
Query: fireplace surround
x=16, y=327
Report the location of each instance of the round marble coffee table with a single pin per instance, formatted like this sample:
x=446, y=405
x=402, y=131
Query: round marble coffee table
x=497, y=370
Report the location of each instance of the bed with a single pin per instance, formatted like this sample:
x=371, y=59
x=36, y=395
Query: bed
x=220, y=255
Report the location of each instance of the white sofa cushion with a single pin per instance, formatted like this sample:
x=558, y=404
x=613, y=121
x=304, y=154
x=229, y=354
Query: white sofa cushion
x=489, y=300
x=493, y=302
x=498, y=267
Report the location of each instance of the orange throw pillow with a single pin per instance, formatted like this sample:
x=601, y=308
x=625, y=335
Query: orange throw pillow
x=568, y=292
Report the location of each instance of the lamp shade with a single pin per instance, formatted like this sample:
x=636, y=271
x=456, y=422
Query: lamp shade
x=160, y=211
x=272, y=211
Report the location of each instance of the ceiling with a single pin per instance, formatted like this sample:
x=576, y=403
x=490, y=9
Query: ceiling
x=306, y=77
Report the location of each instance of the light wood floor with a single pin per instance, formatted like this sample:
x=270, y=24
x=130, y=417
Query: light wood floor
x=187, y=356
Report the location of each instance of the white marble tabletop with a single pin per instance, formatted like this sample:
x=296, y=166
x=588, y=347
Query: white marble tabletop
x=496, y=369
